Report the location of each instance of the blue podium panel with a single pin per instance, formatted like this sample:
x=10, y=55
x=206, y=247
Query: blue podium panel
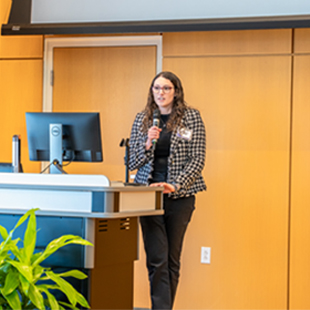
x=50, y=228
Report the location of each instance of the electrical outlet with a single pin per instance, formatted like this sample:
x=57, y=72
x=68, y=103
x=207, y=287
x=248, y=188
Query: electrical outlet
x=205, y=255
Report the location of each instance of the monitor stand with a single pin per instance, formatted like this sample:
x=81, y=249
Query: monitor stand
x=56, y=149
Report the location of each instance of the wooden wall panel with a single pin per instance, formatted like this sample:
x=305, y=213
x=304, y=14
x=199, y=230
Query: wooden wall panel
x=5, y=6
x=111, y=80
x=300, y=215
x=18, y=46
x=243, y=217
x=302, y=40
x=21, y=47
x=227, y=42
x=21, y=91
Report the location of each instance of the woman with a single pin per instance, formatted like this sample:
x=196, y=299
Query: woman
x=171, y=155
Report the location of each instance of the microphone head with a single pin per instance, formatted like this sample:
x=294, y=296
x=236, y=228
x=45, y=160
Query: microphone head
x=156, y=114
x=156, y=118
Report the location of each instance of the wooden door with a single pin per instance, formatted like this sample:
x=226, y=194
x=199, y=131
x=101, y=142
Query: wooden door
x=111, y=80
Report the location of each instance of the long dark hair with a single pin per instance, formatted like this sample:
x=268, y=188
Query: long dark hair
x=178, y=108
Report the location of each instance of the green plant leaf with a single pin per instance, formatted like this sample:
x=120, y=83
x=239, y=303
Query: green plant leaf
x=53, y=304
x=23, y=219
x=73, y=273
x=24, y=269
x=12, y=246
x=64, y=286
x=48, y=286
x=52, y=301
x=58, y=243
x=36, y=297
x=30, y=237
x=19, y=276
x=82, y=300
x=11, y=282
x=2, y=300
x=5, y=246
x=37, y=273
x=35, y=256
x=24, y=284
x=3, y=258
x=3, y=232
x=4, y=268
x=13, y=300
x=68, y=305
x=10, y=235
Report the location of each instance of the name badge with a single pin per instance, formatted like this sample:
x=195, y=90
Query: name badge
x=185, y=134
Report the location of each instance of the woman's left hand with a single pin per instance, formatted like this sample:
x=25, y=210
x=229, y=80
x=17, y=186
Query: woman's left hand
x=168, y=188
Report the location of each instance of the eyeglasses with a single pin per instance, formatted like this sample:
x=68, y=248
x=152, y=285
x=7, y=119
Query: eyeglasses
x=165, y=89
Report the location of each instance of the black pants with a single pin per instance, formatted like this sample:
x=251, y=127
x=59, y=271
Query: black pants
x=163, y=238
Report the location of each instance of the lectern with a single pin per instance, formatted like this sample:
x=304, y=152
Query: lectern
x=103, y=212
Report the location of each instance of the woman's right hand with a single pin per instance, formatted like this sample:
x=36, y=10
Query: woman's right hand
x=152, y=134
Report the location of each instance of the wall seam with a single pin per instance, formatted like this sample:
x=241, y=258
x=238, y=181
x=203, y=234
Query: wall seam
x=290, y=173
x=20, y=58
x=229, y=55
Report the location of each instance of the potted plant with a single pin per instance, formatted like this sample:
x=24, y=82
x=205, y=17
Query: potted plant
x=24, y=283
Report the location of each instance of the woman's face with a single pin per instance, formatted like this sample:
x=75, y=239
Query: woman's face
x=163, y=92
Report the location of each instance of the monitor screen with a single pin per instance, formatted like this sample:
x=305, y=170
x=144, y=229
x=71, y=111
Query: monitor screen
x=81, y=136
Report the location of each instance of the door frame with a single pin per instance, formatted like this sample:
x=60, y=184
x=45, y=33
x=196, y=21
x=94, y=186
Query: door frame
x=51, y=43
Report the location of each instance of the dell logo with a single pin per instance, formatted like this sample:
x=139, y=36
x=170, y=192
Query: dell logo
x=55, y=131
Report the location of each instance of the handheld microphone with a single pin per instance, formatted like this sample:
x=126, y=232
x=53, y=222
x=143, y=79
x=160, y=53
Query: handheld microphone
x=156, y=122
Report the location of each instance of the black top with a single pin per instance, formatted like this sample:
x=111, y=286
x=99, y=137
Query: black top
x=162, y=151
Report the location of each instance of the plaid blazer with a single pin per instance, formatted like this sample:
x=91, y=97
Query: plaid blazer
x=186, y=159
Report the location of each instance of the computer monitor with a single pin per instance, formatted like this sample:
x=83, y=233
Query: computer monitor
x=58, y=137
